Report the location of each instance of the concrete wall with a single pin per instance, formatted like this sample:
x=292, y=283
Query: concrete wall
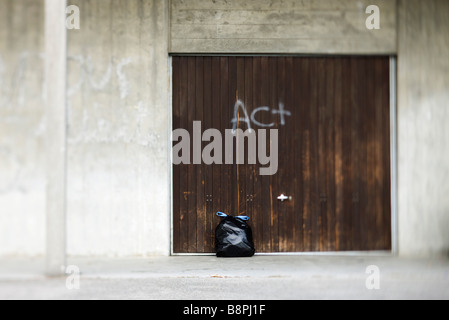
x=423, y=93
x=284, y=26
x=118, y=97
x=22, y=128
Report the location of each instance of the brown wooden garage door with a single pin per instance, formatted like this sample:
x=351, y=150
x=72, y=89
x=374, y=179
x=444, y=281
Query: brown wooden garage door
x=332, y=114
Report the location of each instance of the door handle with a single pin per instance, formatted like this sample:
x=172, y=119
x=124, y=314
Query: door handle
x=283, y=198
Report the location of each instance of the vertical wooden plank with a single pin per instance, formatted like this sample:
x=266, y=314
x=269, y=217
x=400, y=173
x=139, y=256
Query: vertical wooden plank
x=251, y=169
x=296, y=80
x=369, y=121
x=306, y=153
x=367, y=160
x=279, y=237
x=314, y=153
x=339, y=155
x=383, y=178
x=176, y=66
x=217, y=124
x=210, y=220
x=183, y=169
x=322, y=152
x=200, y=169
x=231, y=170
x=226, y=116
x=346, y=239
x=266, y=191
x=359, y=151
x=330, y=95
x=386, y=221
x=369, y=212
x=242, y=169
x=192, y=169
x=375, y=67
x=258, y=194
x=284, y=181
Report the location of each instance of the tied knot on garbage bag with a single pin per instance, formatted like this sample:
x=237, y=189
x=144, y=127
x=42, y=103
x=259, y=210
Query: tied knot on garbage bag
x=233, y=237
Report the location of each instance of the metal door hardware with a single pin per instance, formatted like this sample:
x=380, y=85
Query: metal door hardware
x=283, y=198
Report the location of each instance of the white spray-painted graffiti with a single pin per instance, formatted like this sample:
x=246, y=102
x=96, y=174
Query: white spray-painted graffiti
x=91, y=127
x=240, y=109
x=122, y=80
x=21, y=84
x=89, y=71
x=22, y=81
x=14, y=92
x=15, y=83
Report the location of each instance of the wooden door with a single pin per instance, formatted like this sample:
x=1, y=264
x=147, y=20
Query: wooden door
x=332, y=117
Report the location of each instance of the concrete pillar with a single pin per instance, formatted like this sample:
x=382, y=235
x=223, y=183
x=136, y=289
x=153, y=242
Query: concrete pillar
x=56, y=124
x=423, y=131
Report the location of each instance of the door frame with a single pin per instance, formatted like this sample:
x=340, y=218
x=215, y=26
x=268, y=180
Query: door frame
x=393, y=161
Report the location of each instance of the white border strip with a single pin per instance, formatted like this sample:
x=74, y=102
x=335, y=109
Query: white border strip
x=170, y=152
x=394, y=156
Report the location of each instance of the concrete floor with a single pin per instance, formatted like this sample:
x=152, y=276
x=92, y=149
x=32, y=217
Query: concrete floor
x=209, y=278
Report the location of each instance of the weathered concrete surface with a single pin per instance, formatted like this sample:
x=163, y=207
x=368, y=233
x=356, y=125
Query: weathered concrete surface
x=209, y=278
x=287, y=26
x=423, y=115
x=22, y=128
x=118, y=96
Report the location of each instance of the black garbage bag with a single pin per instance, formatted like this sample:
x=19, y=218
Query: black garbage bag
x=233, y=237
